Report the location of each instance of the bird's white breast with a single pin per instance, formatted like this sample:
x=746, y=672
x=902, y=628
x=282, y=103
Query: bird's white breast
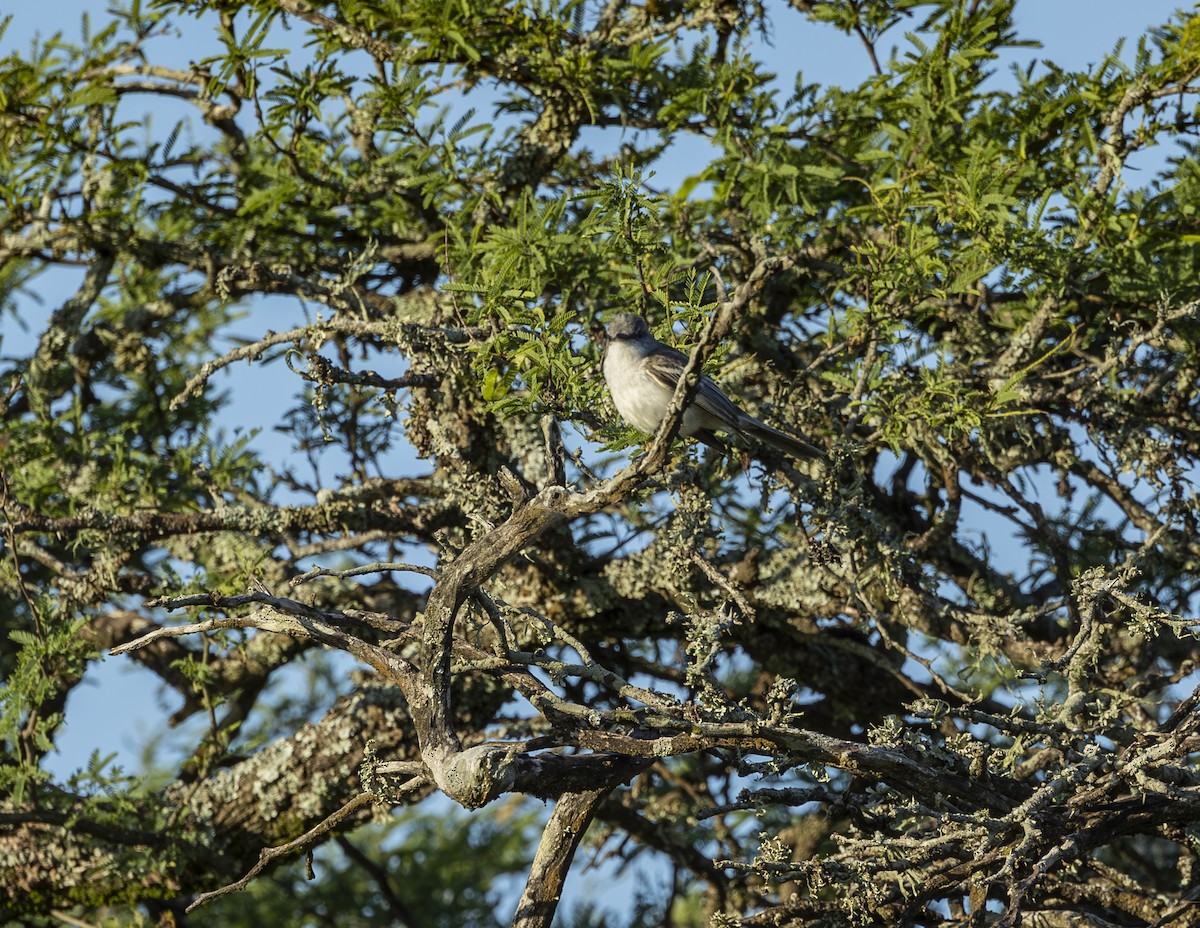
x=639, y=398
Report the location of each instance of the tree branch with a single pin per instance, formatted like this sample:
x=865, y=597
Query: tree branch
x=568, y=823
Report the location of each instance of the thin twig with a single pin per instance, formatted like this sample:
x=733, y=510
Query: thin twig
x=379, y=567
x=251, y=352
x=724, y=583
x=303, y=843
x=179, y=631
x=71, y=919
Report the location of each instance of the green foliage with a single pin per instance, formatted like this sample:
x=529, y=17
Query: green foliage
x=47, y=661
x=950, y=663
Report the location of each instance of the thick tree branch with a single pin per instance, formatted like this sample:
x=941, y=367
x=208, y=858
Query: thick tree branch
x=556, y=851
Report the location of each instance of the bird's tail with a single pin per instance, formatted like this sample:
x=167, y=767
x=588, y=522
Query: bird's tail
x=788, y=444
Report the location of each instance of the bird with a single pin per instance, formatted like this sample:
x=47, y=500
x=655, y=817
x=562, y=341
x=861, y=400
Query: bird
x=642, y=373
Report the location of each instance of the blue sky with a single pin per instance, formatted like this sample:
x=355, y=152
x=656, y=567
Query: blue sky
x=1074, y=33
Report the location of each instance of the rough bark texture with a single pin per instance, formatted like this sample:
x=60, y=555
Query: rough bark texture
x=944, y=677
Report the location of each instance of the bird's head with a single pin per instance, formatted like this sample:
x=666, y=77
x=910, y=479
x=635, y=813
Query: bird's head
x=627, y=325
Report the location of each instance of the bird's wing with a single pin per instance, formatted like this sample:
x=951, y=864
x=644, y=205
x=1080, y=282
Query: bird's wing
x=666, y=366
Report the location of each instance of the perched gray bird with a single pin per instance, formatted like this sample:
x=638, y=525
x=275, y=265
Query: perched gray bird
x=642, y=373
